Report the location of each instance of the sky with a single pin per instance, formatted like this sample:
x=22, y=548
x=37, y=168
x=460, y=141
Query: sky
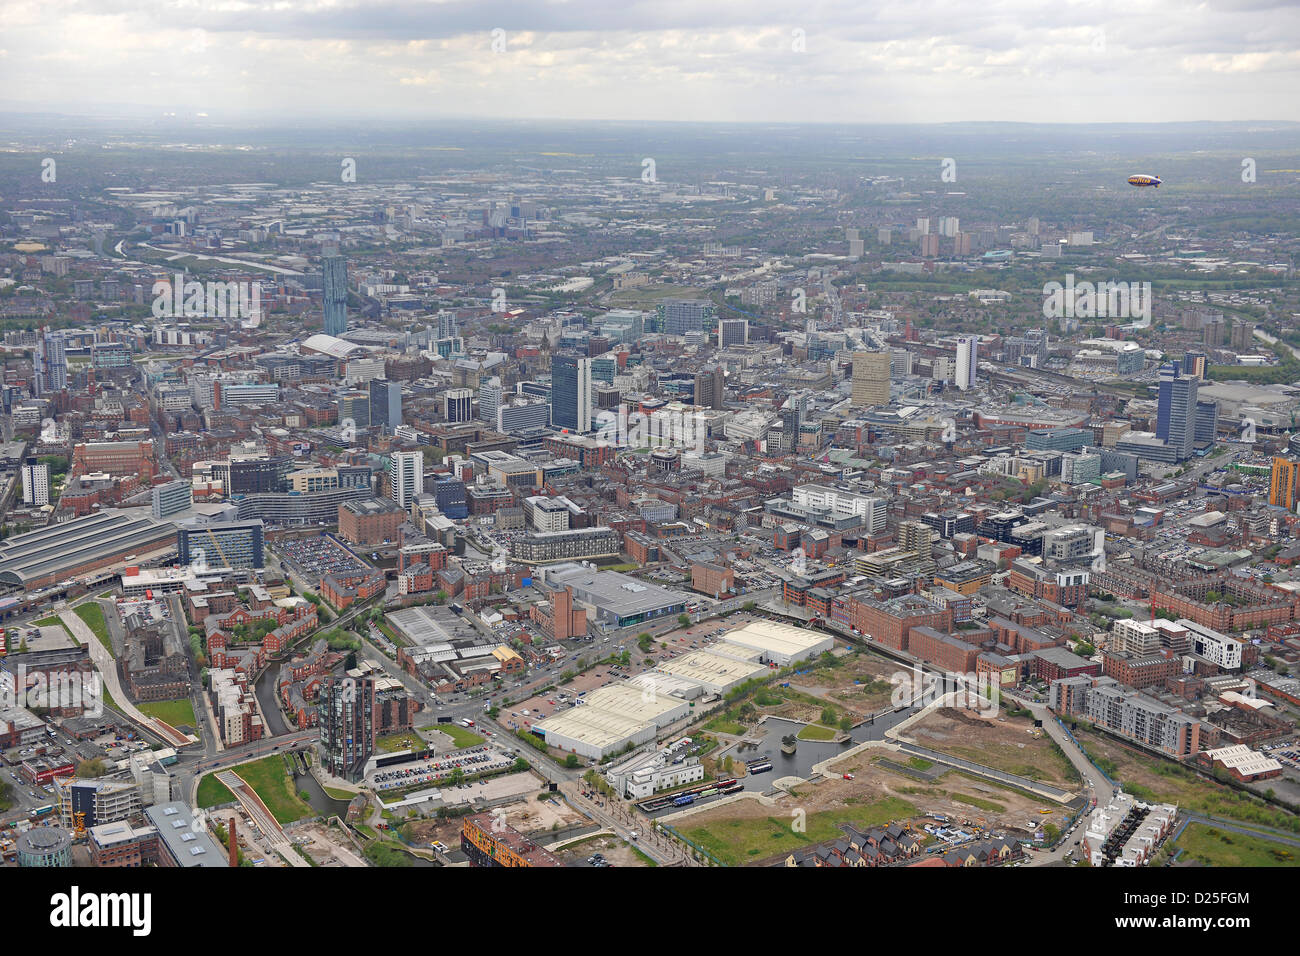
x=692, y=60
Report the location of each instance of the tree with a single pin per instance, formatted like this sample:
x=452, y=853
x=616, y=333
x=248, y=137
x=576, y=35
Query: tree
x=828, y=716
x=846, y=723
x=91, y=768
x=572, y=761
x=440, y=597
x=683, y=620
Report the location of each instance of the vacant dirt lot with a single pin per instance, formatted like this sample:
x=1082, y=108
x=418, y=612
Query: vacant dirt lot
x=618, y=852
x=871, y=692
x=1003, y=743
x=747, y=831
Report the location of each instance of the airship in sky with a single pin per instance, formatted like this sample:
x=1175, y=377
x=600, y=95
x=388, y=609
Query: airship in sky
x=1142, y=179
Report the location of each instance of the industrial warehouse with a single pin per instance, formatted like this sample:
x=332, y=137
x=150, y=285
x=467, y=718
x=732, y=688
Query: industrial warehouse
x=617, y=716
x=618, y=599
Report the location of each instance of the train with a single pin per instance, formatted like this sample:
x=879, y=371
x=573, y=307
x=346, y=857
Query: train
x=761, y=767
x=684, y=800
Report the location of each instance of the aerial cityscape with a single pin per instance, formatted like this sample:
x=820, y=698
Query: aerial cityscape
x=586, y=492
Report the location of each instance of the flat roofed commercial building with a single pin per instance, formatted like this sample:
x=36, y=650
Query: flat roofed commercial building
x=781, y=644
x=613, y=717
x=184, y=841
x=60, y=551
x=648, y=704
x=716, y=674
x=594, y=732
x=618, y=599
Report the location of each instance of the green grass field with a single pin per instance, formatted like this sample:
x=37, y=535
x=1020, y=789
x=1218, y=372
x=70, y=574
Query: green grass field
x=178, y=713
x=748, y=839
x=268, y=777
x=213, y=793
x=395, y=742
x=462, y=736
x=816, y=732
x=1215, y=847
x=93, y=615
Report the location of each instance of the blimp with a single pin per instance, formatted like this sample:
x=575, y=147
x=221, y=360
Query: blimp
x=1142, y=179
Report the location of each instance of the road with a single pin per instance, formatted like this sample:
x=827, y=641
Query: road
x=1096, y=788
x=104, y=664
x=623, y=821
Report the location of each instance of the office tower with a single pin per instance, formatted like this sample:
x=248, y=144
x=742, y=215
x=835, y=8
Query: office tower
x=171, y=498
x=855, y=248
x=1207, y=422
x=334, y=273
x=406, y=479
x=1283, y=491
x=871, y=378
x=36, y=483
x=385, y=403
x=1176, y=411
x=733, y=332
x=679, y=316
x=229, y=544
x=571, y=392
x=1194, y=365
x=51, y=363
x=1033, y=226
x=347, y=724
x=354, y=407
x=710, y=388
x=966, y=359
x=949, y=226
x=923, y=226
x=900, y=363
x=458, y=404
x=491, y=396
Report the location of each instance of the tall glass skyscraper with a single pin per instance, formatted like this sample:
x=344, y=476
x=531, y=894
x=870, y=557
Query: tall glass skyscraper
x=1176, y=411
x=51, y=363
x=334, y=275
x=571, y=392
x=385, y=403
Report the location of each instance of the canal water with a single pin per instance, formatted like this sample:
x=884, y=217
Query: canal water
x=808, y=753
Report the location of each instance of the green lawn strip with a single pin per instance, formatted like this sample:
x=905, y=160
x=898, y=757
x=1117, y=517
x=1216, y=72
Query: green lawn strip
x=213, y=793
x=462, y=737
x=740, y=841
x=816, y=732
x=178, y=713
x=268, y=777
x=93, y=615
x=1215, y=847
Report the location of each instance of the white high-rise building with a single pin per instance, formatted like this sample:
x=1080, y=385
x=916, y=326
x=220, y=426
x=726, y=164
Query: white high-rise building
x=949, y=226
x=36, y=483
x=966, y=357
x=406, y=479
x=923, y=226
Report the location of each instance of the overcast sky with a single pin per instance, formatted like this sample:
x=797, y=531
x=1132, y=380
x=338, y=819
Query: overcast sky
x=720, y=60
